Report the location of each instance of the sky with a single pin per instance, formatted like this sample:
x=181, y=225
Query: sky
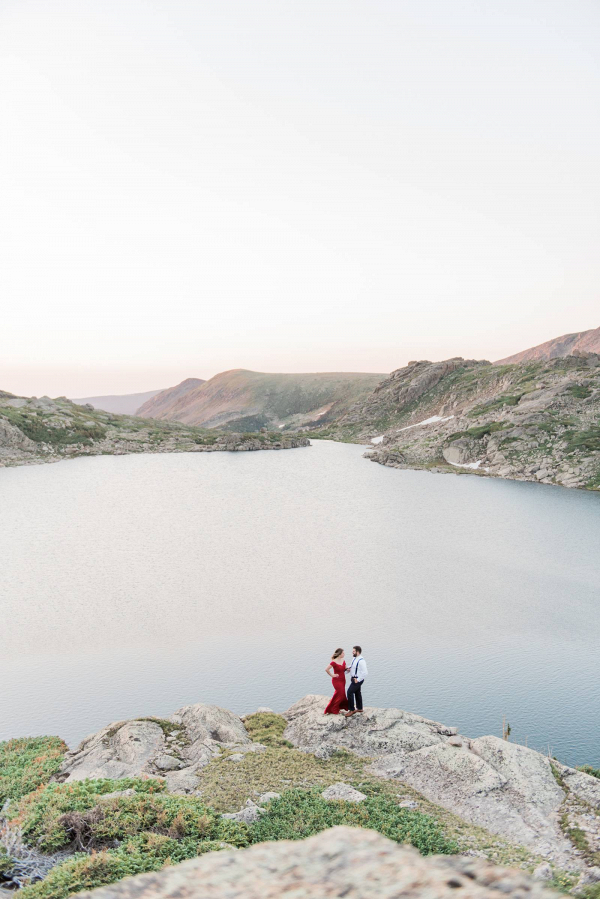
x=291, y=185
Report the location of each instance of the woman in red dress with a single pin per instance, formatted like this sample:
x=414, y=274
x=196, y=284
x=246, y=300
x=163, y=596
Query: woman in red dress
x=337, y=672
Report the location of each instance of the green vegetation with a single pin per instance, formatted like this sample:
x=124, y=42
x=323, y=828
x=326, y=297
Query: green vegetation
x=498, y=403
x=27, y=763
x=480, y=430
x=267, y=728
x=146, y=852
x=587, y=769
x=301, y=813
x=587, y=441
x=579, y=391
x=58, y=815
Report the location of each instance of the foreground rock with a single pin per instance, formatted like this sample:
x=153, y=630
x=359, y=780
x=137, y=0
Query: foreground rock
x=508, y=789
x=173, y=748
x=343, y=861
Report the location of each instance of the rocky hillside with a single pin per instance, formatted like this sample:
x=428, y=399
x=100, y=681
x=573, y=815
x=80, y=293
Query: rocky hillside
x=36, y=430
x=535, y=421
x=163, y=400
x=120, y=404
x=581, y=341
x=149, y=792
x=249, y=400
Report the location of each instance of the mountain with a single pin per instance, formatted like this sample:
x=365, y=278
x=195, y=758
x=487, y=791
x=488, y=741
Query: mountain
x=162, y=400
x=534, y=421
x=34, y=430
x=582, y=341
x=121, y=404
x=243, y=400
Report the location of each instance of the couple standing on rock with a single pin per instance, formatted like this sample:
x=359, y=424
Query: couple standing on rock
x=336, y=670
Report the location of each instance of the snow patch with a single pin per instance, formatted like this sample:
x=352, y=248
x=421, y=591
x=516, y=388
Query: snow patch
x=468, y=464
x=428, y=421
x=377, y=439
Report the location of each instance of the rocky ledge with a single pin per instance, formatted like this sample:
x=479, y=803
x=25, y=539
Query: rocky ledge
x=509, y=789
x=343, y=861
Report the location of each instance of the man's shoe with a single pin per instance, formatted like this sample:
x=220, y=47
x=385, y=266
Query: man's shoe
x=349, y=714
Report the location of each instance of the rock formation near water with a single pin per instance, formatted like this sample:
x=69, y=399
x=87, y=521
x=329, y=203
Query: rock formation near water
x=535, y=421
x=343, y=861
x=36, y=430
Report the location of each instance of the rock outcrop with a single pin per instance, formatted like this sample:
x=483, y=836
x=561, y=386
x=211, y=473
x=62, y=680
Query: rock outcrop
x=535, y=421
x=343, y=861
x=46, y=430
x=509, y=789
x=173, y=748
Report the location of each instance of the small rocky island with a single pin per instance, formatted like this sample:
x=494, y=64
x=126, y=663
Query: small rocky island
x=34, y=430
x=219, y=793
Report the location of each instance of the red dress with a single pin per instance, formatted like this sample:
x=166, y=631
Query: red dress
x=338, y=700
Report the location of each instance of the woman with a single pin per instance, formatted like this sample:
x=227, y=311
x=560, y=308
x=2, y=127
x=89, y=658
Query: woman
x=337, y=672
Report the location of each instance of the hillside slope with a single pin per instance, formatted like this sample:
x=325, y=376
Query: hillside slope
x=120, y=404
x=36, y=430
x=584, y=341
x=536, y=421
x=248, y=400
x=162, y=400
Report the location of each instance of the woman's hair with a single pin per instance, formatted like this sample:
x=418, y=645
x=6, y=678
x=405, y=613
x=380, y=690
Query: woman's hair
x=337, y=654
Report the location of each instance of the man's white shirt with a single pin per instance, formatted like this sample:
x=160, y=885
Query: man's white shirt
x=358, y=668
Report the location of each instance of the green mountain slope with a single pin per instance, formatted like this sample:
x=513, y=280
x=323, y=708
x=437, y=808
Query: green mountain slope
x=248, y=400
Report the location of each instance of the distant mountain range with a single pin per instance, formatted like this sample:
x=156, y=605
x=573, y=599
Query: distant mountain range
x=581, y=341
x=241, y=400
x=119, y=404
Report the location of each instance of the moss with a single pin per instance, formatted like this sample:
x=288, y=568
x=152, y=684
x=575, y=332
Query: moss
x=587, y=769
x=27, y=763
x=267, y=728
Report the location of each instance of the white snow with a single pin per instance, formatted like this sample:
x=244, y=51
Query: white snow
x=281, y=426
x=428, y=421
x=468, y=464
x=377, y=439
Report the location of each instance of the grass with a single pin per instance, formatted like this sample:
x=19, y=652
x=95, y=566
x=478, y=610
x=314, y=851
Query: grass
x=27, y=763
x=480, y=430
x=267, y=728
x=587, y=769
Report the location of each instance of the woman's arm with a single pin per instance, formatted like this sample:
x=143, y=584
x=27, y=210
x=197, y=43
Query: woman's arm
x=328, y=670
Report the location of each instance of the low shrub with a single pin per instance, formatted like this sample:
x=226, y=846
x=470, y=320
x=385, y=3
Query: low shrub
x=137, y=855
x=301, y=813
x=75, y=813
x=26, y=763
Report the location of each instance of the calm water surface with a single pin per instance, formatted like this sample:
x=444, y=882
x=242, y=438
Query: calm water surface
x=133, y=585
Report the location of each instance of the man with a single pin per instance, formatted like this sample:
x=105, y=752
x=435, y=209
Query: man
x=358, y=672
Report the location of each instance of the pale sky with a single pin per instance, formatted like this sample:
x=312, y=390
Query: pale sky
x=294, y=185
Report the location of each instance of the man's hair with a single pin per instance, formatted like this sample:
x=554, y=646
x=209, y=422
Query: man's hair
x=358, y=649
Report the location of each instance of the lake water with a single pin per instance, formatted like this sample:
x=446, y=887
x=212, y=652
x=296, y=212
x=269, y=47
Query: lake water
x=133, y=585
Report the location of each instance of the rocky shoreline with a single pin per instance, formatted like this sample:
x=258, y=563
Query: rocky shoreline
x=482, y=798
x=35, y=431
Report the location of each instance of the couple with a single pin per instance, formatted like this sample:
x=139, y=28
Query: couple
x=337, y=672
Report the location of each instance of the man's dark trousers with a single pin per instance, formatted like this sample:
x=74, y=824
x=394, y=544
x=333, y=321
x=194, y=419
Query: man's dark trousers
x=354, y=693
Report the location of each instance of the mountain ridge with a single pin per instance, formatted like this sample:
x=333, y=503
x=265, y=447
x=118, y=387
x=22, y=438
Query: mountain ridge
x=556, y=347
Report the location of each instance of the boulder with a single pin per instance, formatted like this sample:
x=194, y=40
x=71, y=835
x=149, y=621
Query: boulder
x=140, y=747
x=342, y=861
x=344, y=792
